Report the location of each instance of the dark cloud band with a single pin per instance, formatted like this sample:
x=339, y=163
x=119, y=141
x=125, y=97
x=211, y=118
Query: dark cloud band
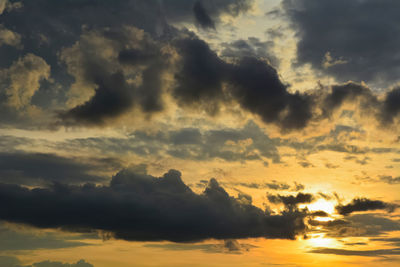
x=142, y=207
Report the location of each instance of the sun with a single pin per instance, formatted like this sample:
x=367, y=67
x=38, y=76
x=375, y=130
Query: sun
x=323, y=205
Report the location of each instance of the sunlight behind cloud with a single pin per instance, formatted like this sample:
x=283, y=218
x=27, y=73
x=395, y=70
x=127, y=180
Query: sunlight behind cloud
x=321, y=241
x=323, y=205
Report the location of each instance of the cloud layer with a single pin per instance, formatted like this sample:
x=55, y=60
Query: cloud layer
x=142, y=207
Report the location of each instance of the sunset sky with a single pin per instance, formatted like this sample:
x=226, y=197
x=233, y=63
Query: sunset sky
x=199, y=133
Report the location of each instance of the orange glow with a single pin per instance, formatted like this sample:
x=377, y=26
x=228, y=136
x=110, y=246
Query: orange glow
x=322, y=204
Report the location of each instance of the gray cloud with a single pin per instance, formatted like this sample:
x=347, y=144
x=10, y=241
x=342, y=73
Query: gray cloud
x=8, y=261
x=274, y=185
x=252, y=82
x=365, y=42
x=40, y=168
x=189, y=143
x=364, y=204
x=348, y=92
x=252, y=47
x=202, y=16
x=229, y=246
x=366, y=253
x=60, y=27
x=291, y=201
x=168, y=210
x=389, y=179
x=358, y=225
x=13, y=240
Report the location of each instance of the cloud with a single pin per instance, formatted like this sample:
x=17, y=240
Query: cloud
x=21, y=81
x=389, y=179
x=83, y=67
x=274, y=185
x=358, y=225
x=113, y=97
x=80, y=263
x=252, y=82
x=14, y=239
x=392, y=241
x=39, y=169
x=113, y=83
x=252, y=47
x=7, y=261
x=6, y=5
x=68, y=17
x=366, y=253
x=249, y=143
x=319, y=213
x=145, y=208
x=328, y=224
x=8, y=37
x=119, y=64
x=202, y=79
x=351, y=92
x=200, y=75
x=364, y=204
x=202, y=17
x=229, y=246
x=129, y=56
x=184, y=10
x=365, y=43
x=291, y=201
x=391, y=107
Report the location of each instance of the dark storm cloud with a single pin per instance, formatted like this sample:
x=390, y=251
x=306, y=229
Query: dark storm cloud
x=291, y=201
x=201, y=74
x=184, y=10
x=40, y=168
x=252, y=82
x=136, y=55
x=58, y=26
x=391, y=106
x=257, y=87
x=112, y=98
x=355, y=40
x=364, y=204
x=142, y=207
x=351, y=92
x=252, y=47
x=46, y=27
x=200, y=80
x=202, y=16
x=69, y=33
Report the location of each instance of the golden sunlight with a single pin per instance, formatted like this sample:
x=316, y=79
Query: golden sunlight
x=323, y=205
x=321, y=241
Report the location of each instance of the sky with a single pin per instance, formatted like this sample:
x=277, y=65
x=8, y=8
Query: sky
x=199, y=133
